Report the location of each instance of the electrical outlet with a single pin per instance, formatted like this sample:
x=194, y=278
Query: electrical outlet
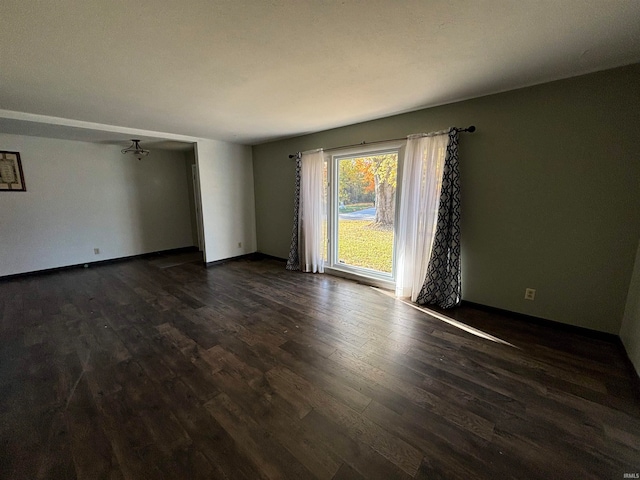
x=239, y=244
x=530, y=294
x=96, y=251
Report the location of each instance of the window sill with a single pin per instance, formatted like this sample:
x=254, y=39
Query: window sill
x=364, y=279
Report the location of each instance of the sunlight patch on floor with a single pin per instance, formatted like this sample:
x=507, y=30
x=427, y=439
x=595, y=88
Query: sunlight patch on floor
x=474, y=331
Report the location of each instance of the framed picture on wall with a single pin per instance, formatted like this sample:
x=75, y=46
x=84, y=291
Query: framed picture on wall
x=11, y=176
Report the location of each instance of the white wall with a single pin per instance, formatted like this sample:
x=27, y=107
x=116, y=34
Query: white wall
x=630, y=331
x=82, y=196
x=228, y=207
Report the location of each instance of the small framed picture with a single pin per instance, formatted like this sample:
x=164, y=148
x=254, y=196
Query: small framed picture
x=11, y=176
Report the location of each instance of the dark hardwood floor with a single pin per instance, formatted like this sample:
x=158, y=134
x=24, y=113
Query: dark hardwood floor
x=246, y=371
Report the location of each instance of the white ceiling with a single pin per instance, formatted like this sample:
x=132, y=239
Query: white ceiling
x=251, y=71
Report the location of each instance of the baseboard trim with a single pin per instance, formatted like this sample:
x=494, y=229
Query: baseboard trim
x=49, y=271
x=266, y=256
x=630, y=366
x=246, y=256
x=587, y=332
x=171, y=251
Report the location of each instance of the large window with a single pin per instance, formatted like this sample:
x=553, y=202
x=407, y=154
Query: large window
x=362, y=212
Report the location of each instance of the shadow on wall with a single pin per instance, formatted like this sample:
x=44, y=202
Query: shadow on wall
x=194, y=210
x=161, y=201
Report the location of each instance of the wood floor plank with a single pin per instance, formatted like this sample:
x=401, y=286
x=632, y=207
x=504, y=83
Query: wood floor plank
x=359, y=456
x=345, y=472
x=268, y=456
x=280, y=418
x=209, y=437
x=344, y=376
x=291, y=386
x=418, y=396
x=166, y=369
x=92, y=453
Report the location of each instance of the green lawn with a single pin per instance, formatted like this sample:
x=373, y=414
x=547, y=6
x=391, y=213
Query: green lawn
x=363, y=245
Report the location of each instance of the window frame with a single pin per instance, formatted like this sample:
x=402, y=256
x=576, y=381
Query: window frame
x=374, y=277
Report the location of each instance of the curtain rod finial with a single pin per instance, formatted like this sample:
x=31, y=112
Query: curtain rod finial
x=471, y=129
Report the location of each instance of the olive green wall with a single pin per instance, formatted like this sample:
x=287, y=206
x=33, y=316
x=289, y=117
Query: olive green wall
x=630, y=331
x=550, y=193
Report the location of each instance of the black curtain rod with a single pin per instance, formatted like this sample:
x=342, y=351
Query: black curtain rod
x=469, y=129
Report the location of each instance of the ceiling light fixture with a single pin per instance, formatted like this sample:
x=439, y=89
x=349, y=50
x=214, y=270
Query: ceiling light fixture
x=136, y=150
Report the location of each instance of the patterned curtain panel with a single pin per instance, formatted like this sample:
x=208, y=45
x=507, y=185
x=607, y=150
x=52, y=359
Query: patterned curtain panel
x=421, y=183
x=293, y=263
x=442, y=286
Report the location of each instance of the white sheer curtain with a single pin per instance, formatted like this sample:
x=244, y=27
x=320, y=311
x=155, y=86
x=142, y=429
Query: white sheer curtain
x=421, y=184
x=310, y=232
